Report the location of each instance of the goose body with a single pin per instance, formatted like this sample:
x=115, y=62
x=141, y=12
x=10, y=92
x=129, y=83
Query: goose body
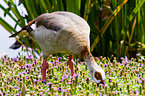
x=61, y=32
x=65, y=32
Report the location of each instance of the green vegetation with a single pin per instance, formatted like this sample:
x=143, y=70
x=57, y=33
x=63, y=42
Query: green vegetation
x=22, y=75
x=117, y=26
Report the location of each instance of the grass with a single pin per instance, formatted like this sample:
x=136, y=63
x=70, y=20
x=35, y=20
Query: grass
x=22, y=75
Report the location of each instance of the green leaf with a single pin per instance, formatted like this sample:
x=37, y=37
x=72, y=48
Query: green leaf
x=136, y=9
x=9, y=28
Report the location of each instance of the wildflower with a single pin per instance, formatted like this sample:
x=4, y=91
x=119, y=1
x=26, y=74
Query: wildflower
x=53, y=62
x=41, y=54
x=142, y=79
x=139, y=81
x=34, y=62
x=60, y=58
x=105, y=65
x=4, y=93
x=70, y=82
x=64, y=90
x=104, y=83
x=19, y=73
x=139, y=64
x=56, y=66
x=43, y=80
x=30, y=57
x=134, y=92
x=15, y=59
x=121, y=58
x=16, y=87
x=24, y=72
x=33, y=50
x=59, y=89
x=109, y=79
x=41, y=93
x=87, y=79
x=75, y=75
x=28, y=65
x=7, y=81
x=76, y=60
x=65, y=76
x=138, y=54
x=49, y=83
x=22, y=67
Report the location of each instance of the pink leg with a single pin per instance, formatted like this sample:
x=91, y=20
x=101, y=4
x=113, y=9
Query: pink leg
x=44, y=67
x=70, y=61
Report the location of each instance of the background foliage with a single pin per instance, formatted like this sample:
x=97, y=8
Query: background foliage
x=117, y=26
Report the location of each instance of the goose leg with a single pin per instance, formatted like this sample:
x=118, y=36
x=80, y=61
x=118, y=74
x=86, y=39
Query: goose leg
x=70, y=61
x=44, y=67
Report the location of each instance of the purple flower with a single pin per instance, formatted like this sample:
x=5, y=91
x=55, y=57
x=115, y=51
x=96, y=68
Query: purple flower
x=4, y=93
x=138, y=54
x=34, y=62
x=76, y=60
x=105, y=65
x=49, y=83
x=24, y=72
x=121, y=58
x=67, y=71
x=59, y=89
x=18, y=80
x=41, y=93
x=104, y=83
x=109, y=80
x=16, y=87
x=126, y=58
x=30, y=57
x=33, y=50
x=43, y=80
x=79, y=83
x=74, y=63
x=139, y=64
x=53, y=62
x=7, y=81
x=64, y=90
x=16, y=59
x=23, y=46
x=75, y=75
x=22, y=67
x=65, y=76
x=88, y=78
x=41, y=54
x=135, y=92
x=19, y=73
x=142, y=79
x=81, y=62
x=60, y=58
x=139, y=81
x=70, y=82
x=28, y=65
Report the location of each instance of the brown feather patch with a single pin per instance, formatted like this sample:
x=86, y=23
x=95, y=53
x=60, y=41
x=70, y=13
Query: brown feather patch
x=85, y=52
x=98, y=76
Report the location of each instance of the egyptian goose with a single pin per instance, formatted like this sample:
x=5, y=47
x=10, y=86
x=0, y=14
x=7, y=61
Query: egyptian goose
x=64, y=32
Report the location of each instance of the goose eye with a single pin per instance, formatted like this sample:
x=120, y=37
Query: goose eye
x=98, y=75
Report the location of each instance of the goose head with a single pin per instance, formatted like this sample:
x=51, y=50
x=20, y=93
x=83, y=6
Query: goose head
x=96, y=72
